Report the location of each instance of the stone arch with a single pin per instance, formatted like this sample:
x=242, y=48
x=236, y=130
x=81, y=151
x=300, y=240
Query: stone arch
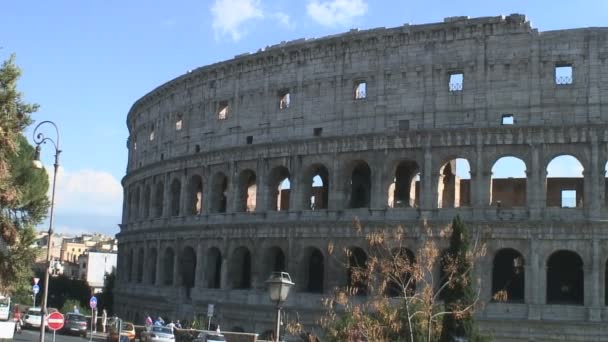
x=313, y=270
x=158, y=199
x=508, y=183
x=219, y=195
x=403, y=261
x=188, y=269
x=508, y=276
x=356, y=277
x=565, y=278
x=404, y=191
x=176, y=189
x=167, y=266
x=454, y=188
x=151, y=265
x=195, y=195
x=565, y=182
x=279, y=189
x=316, y=187
x=247, y=195
x=239, y=271
x=360, y=185
x=146, y=201
x=140, y=265
x=274, y=261
x=214, y=268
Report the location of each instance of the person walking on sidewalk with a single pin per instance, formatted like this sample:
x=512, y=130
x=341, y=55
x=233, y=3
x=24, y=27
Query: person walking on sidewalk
x=104, y=320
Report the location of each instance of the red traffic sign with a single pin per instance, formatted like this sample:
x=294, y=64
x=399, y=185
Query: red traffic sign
x=55, y=321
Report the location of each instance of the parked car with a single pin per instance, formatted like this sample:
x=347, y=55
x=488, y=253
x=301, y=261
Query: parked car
x=128, y=330
x=209, y=336
x=157, y=333
x=33, y=318
x=75, y=323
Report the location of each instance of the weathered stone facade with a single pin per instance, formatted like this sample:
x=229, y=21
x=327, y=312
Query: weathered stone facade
x=369, y=123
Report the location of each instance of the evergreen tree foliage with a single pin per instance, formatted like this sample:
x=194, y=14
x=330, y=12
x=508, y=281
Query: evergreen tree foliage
x=23, y=202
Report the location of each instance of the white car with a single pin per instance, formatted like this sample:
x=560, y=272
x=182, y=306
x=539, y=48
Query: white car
x=210, y=336
x=33, y=318
x=158, y=333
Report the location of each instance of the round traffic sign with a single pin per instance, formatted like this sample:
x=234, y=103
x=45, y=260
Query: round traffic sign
x=93, y=302
x=55, y=321
x=35, y=289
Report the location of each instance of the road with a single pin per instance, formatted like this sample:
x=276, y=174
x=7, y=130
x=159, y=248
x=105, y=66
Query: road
x=34, y=335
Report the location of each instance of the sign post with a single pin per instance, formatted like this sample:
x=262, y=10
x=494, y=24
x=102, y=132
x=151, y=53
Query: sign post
x=55, y=322
x=210, y=308
x=35, y=289
x=93, y=305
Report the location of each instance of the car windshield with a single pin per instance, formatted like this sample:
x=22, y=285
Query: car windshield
x=77, y=318
x=162, y=330
x=4, y=302
x=33, y=312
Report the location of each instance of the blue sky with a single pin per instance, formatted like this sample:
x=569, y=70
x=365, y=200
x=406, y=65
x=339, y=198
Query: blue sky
x=87, y=62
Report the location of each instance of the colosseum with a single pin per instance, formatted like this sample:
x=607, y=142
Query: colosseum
x=254, y=164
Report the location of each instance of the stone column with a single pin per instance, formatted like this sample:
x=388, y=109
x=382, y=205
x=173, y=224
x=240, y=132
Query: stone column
x=297, y=187
x=199, y=277
x=262, y=184
x=592, y=287
x=158, y=262
x=176, y=264
x=535, y=278
x=207, y=191
x=167, y=196
x=379, y=188
x=184, y=196
x=533, y=186
x=337, y=187
x=426, y=186
x=592, y=200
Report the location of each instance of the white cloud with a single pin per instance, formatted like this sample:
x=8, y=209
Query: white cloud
x=230, y=15
x=283, y=19
x=335, y=12
x=87, y=192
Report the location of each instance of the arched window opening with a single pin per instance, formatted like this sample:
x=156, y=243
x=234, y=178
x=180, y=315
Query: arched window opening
x=454, y=189
x=151, y=267
x=508, y=183
x=606, y=284
x=146, y=202
x=214, y=268
x=356, y=274
x=508, y=276
x=140, y=266
x=317, y=189
x=404, y=192
x=247, y=191
x=176, y=187
x=195, y=195
x=565, y=278
x=240, y=269
x=188, y=269
x=158, y=199
x=136, y=207
x=219, y=193
x=279, y=189
x=565, y=182
x=130, y=266
x=168, y=261
x=314, y=270
x=361, y=186
x=274, y=261
x=401, y=269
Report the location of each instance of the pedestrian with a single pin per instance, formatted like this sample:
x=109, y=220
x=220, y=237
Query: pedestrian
x=178, y=324
x=104, y=320
x=76, y=309
x=148, y=321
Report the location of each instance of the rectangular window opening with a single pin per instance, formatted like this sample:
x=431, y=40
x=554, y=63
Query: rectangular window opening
x=152, y=133
x=318, y=131
x=568, y=198
x=404, y=125
x=249, y=139
x=360, y=90
x=456, y=81
x=222, y=113
x=507, y=119
x=178, y=122
x=284, y=99
x=563, y=74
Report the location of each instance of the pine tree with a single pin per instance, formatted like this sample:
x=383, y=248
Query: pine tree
x=460, y=294
x=23, y=201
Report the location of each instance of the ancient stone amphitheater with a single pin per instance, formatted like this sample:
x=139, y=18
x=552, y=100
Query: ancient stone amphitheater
x=254, y=164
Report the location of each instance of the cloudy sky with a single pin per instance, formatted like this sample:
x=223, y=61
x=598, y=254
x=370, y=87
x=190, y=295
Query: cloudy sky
x=87, y=62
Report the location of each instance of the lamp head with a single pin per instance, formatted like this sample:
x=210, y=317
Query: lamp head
x=279, y=285
x=36, y=163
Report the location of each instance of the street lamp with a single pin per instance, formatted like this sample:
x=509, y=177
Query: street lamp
x=39, y=139
x=279, y=285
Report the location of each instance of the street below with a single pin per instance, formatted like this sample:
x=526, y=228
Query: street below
x=33, y=336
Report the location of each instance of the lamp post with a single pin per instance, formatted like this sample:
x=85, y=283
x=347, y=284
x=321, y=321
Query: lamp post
x=279, y=285
x=39, y=139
